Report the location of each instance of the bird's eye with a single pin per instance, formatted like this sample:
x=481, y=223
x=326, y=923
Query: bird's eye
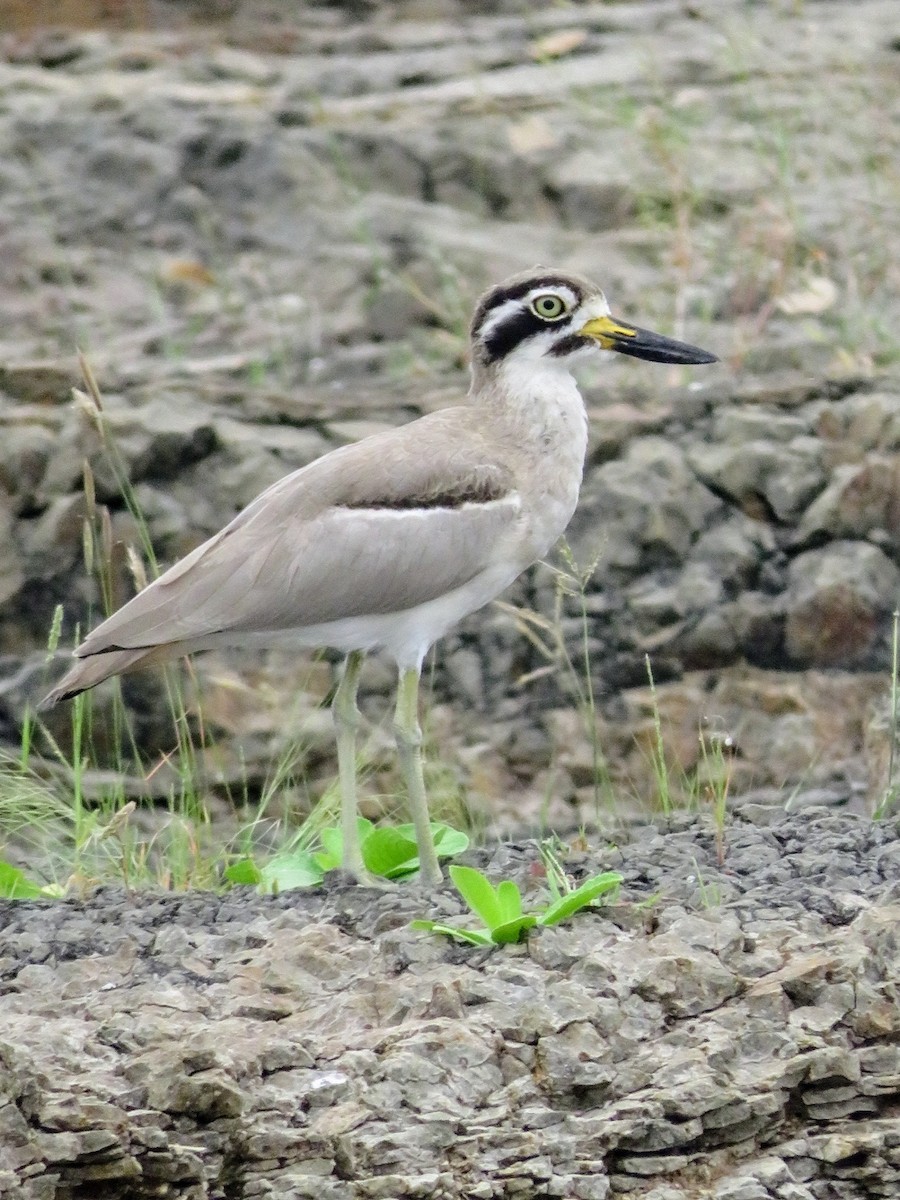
x=549, y=307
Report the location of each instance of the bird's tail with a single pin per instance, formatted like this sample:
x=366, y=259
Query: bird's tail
x=89, y=671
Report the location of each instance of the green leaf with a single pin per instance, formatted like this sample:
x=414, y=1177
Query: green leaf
x=331, y=856
x=476, y=937
x=287, y=871
x=388, y=852
x=580, y=898
x=448, y=842
x=244, y=871
x=15, y=884
x=510, y=900
x=511, y=931
x=479, y=894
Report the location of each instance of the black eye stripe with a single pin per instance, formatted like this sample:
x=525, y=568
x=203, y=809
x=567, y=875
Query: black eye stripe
x=508, y=334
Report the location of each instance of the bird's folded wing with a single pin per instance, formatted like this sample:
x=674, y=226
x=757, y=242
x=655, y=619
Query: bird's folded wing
x=376, y=527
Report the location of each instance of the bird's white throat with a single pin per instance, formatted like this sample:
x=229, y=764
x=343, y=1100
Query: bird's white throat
x=543, y=399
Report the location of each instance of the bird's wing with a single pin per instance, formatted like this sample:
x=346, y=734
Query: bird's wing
x=375, y=527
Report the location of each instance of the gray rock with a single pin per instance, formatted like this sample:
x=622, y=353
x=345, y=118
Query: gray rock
x=763, y=477
x=861, y=501
x=589, y=194
x=602, y=1045
x=838, y=605
x=43, y=383
x=734, y=549
x=12, y=572
x=642, y=511
x=54, y=542
x=26, y=448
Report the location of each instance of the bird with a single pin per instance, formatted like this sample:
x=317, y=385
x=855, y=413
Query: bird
x=386, y=543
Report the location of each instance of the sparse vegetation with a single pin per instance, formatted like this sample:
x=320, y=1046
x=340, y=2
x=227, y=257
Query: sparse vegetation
x=500, y=909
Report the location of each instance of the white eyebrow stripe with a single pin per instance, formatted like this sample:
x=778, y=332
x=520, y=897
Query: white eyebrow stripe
x=498, y=316
x=558, y=290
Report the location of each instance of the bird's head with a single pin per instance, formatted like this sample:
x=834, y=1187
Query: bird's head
x=551, y=317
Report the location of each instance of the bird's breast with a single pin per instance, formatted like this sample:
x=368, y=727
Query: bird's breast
x=551, y=472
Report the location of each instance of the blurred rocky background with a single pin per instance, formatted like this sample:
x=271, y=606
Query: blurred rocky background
x=265, y=225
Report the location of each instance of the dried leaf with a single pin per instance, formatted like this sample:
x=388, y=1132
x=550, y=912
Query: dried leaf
x=187, y=272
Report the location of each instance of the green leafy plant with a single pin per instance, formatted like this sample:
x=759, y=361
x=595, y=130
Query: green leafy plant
x=388, y=851
x=15, y=885
x=500, y=908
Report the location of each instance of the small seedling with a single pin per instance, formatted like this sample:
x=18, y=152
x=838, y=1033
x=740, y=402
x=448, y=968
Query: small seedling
x=388, y=852
x=500, y=908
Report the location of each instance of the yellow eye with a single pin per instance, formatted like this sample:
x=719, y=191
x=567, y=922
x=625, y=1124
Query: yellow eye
x=549, y=307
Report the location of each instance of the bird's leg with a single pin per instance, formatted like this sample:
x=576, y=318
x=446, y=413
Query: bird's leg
x=409, y=746
x=346, y=723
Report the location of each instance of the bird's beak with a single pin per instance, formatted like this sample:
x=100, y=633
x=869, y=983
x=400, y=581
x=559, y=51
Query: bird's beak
x=641, y=343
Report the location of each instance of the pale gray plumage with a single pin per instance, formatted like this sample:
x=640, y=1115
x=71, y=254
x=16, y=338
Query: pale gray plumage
x=273, y=567
x=388, y=542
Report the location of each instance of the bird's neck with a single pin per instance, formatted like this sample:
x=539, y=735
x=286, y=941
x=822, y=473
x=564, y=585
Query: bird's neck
x=537, y=401
x=534, y=419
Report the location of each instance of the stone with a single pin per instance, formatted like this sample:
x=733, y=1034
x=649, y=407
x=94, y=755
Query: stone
x=862, y=501
x=838, y=604
x=589, y=193
x=763, y=477
x=649, y=506
x=12, y=572
x=625, y=1060
x=46, y=382
x=25, y=451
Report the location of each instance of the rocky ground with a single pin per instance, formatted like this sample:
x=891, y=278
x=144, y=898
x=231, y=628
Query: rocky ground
x=266, y=227
x=724, y=1031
